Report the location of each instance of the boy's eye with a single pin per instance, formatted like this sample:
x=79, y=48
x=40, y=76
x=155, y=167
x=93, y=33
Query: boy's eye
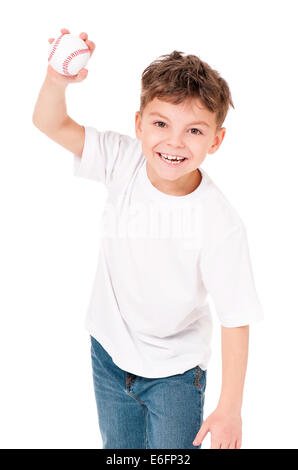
x=194, y=129
x=198, y=132
x=159, y=122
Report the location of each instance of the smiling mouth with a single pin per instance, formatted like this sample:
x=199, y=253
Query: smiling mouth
x=172, y=160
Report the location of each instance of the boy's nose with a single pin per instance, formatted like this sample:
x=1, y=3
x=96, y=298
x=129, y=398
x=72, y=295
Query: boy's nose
x=175, y=141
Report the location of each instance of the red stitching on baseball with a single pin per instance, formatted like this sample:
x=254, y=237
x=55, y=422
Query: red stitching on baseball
x=70, y=57
x=56, y=44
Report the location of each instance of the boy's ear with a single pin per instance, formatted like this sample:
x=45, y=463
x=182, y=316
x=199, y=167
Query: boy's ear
x=217, y=140
x=138, y=125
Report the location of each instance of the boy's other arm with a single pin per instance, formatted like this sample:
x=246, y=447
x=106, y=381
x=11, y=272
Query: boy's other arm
x=225, y=424
x=234, y=349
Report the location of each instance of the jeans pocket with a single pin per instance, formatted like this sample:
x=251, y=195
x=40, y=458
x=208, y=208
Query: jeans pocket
x=199, y=378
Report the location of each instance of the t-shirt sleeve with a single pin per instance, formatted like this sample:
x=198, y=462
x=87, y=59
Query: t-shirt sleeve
x=99, y=157
x=228, y=277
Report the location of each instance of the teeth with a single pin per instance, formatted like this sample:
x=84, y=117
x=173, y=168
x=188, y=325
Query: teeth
x=171, y=158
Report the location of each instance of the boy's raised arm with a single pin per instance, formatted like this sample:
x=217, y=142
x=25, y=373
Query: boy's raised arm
x=50, y=113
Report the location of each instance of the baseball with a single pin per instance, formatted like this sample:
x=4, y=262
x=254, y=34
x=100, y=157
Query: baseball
x=68, y=54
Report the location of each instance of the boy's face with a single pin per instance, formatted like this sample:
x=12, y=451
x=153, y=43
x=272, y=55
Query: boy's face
x=177, y=130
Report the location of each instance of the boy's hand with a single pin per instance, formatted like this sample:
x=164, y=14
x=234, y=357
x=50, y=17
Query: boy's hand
x=62, y=79
x=225, y=429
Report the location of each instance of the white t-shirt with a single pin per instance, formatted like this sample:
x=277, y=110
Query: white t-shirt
x=160, y=258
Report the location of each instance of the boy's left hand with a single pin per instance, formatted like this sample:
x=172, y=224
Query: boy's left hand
x=225, y=429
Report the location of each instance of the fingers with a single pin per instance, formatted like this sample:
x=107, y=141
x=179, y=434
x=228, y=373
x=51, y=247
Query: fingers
x=90, y=44
x=201, y=435
x=227, y=445
x=84, y=36
x=63, y=31
x=232, y=445
x=217, y=444
x=82, y=74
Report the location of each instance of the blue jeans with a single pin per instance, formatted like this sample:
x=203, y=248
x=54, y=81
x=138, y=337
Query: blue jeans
x=142, y=413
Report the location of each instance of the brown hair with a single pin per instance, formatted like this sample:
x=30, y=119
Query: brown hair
x=176, y=78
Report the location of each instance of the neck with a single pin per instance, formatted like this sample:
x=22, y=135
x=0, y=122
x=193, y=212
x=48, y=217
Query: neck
x=180, y=187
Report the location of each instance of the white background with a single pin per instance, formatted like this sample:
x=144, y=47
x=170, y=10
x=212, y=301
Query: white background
x=50, y=219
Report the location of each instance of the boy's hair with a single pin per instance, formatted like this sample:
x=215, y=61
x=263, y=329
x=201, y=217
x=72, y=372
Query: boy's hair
x=176, y=78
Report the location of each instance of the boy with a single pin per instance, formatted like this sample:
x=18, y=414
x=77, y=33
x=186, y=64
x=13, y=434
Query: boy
x=169, y=238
